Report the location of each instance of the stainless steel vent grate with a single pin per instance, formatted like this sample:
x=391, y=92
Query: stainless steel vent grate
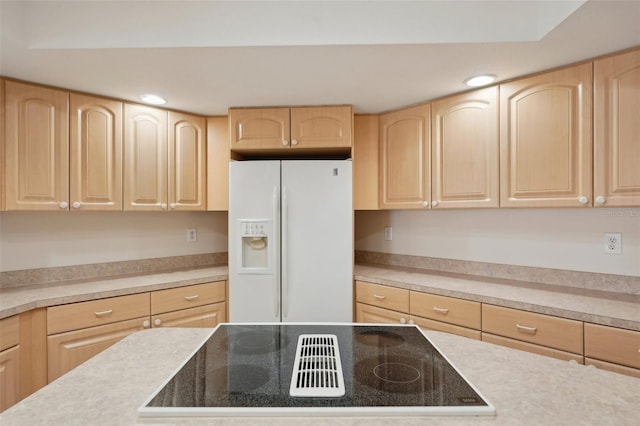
x=317, y=369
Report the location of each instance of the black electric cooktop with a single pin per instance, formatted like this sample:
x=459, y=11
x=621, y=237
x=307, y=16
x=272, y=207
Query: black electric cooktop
x=246, y=369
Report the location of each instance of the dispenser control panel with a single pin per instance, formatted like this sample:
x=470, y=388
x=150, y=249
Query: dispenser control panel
x=253, y=229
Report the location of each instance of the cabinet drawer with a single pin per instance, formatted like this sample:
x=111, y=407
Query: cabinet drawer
x=428, y=324
x=9, y=332
x=528, y=347
x=460, y=312
x=545, y=330
x=187, y=297
x=612, y=344
x=371, y=314
x=396, y=299
x=75, y=316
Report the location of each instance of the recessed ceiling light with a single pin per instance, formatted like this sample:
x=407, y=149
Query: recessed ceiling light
x=480, y=80
x=152, y=99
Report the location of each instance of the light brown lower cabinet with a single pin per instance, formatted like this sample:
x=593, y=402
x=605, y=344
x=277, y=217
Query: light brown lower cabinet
x=612, y=348
x=383, y=304
x=530, y=347
x=539, y=329
x=22, y=356
x=9, y=377
x=79, y=331
x=202, y=316
x=372, y=314
x=70, y=349
x=428, y=324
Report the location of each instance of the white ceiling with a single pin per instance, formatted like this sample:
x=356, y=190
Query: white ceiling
x=205, y=56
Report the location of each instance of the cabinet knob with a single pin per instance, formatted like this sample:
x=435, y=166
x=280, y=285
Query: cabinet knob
x=403, y=321
x=600, y=199
x=411, y=322
x=434, y=203
x=425, y=204
x=64, y=204
x=583, y=200
x=163, y=206
x=76, y=204
x=285, y=142
x=146, y=324
x=157, y=322
x=294, y=142
x=174, y=205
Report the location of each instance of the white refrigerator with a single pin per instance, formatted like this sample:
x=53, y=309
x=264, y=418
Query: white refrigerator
x=290, y=241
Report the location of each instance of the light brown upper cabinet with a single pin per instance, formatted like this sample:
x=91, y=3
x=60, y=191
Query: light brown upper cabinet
x=217, y=163
x=145, y=170
x=546, y=141
x=165, y=160
x=187, y=162
x=95, y=153
x=301, y=128
x=465, y=150
x=617, y=130
x=2, y=146
x=365, y=157
x=405, y=158
x=37, y=148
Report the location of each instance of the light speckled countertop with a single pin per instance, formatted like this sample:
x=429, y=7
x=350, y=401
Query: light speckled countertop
x=23, y=298
x=525, y=388
x=591, y=306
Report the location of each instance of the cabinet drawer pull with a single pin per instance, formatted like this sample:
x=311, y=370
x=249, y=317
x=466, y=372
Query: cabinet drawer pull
x=104, y=313
x=526, y=329
x=377, y=296
x=441, y=310
x=190, y=298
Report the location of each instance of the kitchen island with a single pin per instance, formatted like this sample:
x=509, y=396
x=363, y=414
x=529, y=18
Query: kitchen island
x=525, y=388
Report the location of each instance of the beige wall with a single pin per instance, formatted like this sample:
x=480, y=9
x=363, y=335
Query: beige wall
x=44, y=239
x=552, y=238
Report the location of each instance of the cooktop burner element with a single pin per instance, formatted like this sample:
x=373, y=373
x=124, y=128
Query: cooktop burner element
x=247, y=370
x=396, y=372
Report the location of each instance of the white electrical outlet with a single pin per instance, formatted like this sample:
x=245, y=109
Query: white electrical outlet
x=192, y=235
x=388, y=235
x=613, y=243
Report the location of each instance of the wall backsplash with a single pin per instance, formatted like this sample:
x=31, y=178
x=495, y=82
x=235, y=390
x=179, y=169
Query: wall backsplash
x=31, y=240
x=569, y=239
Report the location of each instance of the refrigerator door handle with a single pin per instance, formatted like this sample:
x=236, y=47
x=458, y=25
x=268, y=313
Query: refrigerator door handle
x=276, y=264
x=285, y=254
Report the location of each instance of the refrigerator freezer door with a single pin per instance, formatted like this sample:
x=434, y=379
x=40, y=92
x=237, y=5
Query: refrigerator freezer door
x=317, y=241
x=254, y=292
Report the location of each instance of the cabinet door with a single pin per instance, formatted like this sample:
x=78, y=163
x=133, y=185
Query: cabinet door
x=187, y=162
x=37, y=148
x=68, y=350
x=545, y=140
x=617, y=131
x=321, y=127
x=405, y=158
x=145, y=158
x=96, y=153
x=374, y=315
x=365, y=162
x=9, y=377
x=466, y=150
x=254, y=129
x=203, y=316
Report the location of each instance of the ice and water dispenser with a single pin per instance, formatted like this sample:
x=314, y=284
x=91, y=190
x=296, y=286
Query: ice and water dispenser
x=256, y=236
